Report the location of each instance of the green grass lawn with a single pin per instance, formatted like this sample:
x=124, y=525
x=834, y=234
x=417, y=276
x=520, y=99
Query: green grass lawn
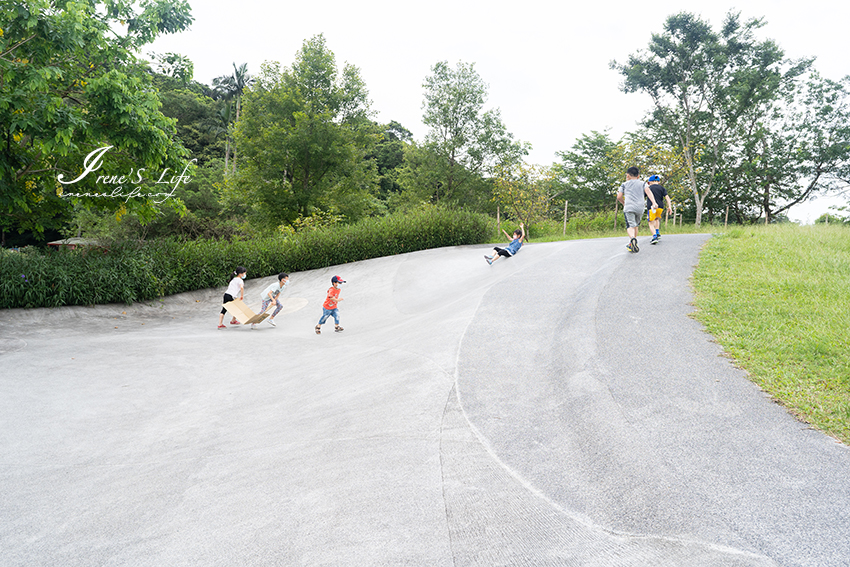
x=777, y=299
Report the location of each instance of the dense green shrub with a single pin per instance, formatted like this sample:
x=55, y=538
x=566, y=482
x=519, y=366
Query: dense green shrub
x=142, y=271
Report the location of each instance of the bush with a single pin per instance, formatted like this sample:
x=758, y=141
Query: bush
x=140, y=271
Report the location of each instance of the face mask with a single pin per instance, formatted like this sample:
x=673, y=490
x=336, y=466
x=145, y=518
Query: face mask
x=242, y=276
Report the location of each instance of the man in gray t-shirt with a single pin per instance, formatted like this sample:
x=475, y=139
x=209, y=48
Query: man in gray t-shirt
x=632, y=194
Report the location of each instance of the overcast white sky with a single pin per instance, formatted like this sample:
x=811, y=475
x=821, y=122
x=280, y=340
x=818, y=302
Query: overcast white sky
x=546, y=63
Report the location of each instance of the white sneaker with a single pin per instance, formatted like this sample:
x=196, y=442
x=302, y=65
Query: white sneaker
x=253, y=326
x=271, y=322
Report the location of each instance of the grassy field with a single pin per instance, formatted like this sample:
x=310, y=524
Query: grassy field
x=777, y=299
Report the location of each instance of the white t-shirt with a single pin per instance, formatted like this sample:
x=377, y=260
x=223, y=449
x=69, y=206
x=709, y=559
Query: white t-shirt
x=235, y=288
x=274, y=288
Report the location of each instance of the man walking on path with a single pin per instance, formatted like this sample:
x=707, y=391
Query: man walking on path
x=631, y=194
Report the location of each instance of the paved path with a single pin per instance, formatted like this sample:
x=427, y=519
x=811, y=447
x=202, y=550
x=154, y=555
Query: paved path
x=557, y=408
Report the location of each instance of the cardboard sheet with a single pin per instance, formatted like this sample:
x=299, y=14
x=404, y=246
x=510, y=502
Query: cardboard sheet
x=243, y=313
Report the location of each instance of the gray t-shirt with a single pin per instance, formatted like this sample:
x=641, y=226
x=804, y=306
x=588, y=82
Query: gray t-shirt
x=632, y=191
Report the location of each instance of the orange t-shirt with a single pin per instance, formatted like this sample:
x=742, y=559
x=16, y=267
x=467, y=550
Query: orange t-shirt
x=331, y=300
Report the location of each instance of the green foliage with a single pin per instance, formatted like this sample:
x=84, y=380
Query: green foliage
x=389, y=157
x=829, y=218
x=584, y=222
x=303, y=137
x=588, y=172
x=592, y=171
x=524, y=190
x=707, y=86
x=69, y=85
x=130, y=272
x=464, y=142
x=199, y=124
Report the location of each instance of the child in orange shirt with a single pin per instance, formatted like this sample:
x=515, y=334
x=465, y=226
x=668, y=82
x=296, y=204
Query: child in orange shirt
x=329, y=307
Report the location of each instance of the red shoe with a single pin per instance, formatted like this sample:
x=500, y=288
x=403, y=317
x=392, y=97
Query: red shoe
x=222, y=326
x=235, y=322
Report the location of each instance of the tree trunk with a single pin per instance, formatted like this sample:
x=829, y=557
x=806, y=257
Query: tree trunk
x=238, y=108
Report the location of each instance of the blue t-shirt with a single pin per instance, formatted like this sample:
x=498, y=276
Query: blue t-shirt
x=514, y=246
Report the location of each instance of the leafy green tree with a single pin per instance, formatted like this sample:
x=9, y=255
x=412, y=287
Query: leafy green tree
x=174, y=65
x=467, y=141
x=703, y=84
x=69, y=85
x=232, y=87
x=592, y=171
x=804, y=151
x=525, y=190
x=389, y=157
x=304, y=134
x=589, y=172
x=199, y=124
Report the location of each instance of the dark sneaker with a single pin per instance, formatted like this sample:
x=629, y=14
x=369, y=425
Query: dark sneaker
x=654, y=239
x=634, y=245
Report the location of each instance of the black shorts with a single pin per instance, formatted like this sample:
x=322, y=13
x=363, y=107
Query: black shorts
x=502, y=252
x=227, y=299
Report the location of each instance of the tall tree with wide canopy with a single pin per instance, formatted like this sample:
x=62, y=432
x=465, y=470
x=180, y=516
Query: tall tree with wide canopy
x=71, y=83
x=703, y=83
x=803, y=150
x=467, y=141
x=304, y=135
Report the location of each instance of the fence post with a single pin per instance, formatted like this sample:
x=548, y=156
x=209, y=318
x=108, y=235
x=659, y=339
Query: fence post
x=498, y=217
x=616, y=208
x=566, y=204
x=726, y=220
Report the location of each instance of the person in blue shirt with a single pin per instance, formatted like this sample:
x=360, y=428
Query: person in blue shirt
x=511, y=249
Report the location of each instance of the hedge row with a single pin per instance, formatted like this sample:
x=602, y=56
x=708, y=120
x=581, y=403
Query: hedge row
x=132, y=272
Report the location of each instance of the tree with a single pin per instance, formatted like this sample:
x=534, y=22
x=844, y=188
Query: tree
x=589, y=173
x=389, y=156
x=703, y=84
x=806, y=150
x=198, y=125
x=526, y=190
x=174, y=65
x=304, y=135
x=70, y=83
x=232, y=87
x=592, y=171
x=467, y=141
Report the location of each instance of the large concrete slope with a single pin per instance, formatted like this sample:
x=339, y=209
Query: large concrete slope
x=557, y=408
